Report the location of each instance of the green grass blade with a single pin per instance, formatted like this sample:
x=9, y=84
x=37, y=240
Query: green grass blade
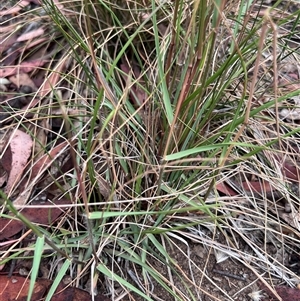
x=58, y=279
x=38, y=252
x=103, y=269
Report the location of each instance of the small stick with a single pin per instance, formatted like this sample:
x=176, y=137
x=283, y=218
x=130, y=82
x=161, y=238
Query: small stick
x=229, y=275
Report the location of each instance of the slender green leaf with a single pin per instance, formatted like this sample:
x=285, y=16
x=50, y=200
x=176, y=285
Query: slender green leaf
x=38, y=252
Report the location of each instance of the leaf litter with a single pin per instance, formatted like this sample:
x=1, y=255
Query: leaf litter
x=16, y=288
x=29, y=157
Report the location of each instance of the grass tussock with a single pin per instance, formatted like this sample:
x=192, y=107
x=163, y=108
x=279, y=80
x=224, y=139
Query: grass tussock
x=178, y=117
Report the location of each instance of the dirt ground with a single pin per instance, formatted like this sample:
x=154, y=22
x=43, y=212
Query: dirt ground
x=208, y=280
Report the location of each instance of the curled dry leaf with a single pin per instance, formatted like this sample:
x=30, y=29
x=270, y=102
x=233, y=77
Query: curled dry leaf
x=37, y=170
x=20, y=147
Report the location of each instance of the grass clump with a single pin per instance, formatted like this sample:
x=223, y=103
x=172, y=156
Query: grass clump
x=165, y=105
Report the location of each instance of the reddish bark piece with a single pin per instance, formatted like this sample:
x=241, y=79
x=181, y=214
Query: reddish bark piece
x=20, y=146
x=41, y=215
x=16, y=288
x=257, y=187
x=74, y=294
x=286, y=293
x=226, y=189
x=260, y=187
x=290, y=171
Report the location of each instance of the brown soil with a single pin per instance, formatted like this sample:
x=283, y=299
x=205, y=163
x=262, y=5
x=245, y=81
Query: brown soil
x=204, y=278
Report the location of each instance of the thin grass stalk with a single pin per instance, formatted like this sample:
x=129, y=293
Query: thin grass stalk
x=81, y=182
x=175, y=25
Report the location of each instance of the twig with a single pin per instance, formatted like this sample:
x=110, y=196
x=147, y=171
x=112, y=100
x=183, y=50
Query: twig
x=229, y=275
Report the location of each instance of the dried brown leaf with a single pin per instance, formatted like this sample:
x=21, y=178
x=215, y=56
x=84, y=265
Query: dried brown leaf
x=23, y=67
x=22, y=79
x=20, y=146
x=15, y=9
x=226, y=189
x=31, y=35
x=16, y=288
x=42, y=215
x=44, y=162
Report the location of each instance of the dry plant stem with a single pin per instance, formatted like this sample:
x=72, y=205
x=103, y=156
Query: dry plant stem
x=251, y=93
x=101, y=81
x=172, y=44
x=112, y=146
x=52, y=80
x=275, y=42
x=186, y=82
x=81, y=184
x=171, y=132
x=178, y=107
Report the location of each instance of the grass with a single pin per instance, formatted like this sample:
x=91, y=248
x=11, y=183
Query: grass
x=158, y=103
